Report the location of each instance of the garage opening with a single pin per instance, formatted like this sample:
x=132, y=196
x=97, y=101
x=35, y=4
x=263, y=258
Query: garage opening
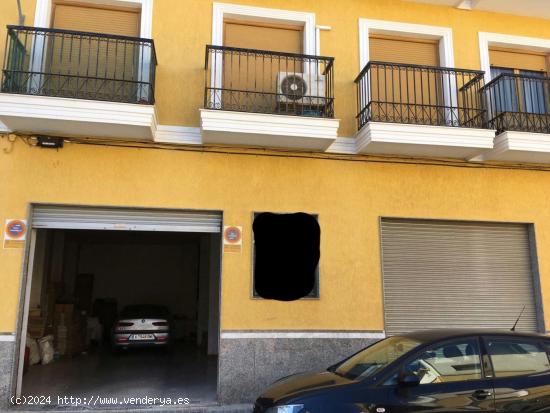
x=449, y=274
x=122, y=303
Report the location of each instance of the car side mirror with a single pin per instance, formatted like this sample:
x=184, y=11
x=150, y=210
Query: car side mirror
x=408, y=379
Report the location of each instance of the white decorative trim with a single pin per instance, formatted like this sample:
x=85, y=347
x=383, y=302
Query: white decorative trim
x=519, y=147
x=14, y=106
x=259, y=129
x=343, y=145
x=443, y=34
x=505, y=40
x=236, y=11
x=178, y=134
x=4, y=128
x=7, y=337
x=423, y=140
x=301, y=334
x=42, y=16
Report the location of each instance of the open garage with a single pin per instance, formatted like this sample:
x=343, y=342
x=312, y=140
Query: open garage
x=122, y=303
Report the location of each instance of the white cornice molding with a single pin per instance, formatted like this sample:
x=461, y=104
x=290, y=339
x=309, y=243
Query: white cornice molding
x=178, y=134
x=267, y=130
x=46, y=107
x=343, y=145
x=76, y=117
x=4, y=128
x=236, y=11
x=443, y=34
x=458, y=141
x=487, y=40
x=267, y=124
x=519, y=147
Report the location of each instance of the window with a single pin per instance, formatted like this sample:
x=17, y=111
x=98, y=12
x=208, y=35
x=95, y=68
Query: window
x=313, y=294
x=453, y=361
x=520, y=90
x=376, y=357
x=514, y=357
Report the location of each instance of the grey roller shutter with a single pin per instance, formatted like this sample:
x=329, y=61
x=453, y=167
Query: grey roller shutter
x=444, y=274
x=125, y=219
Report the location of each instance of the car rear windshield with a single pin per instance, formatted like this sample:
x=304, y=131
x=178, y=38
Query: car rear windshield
x=376, y=357
x=142, y=311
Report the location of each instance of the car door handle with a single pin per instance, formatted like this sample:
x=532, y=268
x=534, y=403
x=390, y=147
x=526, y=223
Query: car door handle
x=482, y=394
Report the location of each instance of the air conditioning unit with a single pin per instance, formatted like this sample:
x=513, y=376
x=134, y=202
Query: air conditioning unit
x=307, y=89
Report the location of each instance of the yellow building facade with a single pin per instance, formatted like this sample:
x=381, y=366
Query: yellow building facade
x=176, y=157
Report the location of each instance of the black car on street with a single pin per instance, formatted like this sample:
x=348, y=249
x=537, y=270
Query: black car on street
x=481, y=371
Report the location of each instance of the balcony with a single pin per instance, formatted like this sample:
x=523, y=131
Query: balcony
x=60, y=82
x=518, y=107
x=420, y=111
x=268, y=99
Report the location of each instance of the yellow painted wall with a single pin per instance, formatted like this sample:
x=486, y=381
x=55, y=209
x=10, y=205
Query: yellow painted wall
x=349, y=197
x=182, y=28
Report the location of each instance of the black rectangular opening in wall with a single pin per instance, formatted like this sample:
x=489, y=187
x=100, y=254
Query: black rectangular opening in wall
x=87, y=284
x=315, y=292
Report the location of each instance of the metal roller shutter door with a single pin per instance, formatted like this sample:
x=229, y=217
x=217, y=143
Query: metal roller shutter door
x=125, y=219
x=444, y=274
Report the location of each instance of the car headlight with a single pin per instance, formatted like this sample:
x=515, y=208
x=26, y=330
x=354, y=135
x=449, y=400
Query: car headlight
x=287, y=408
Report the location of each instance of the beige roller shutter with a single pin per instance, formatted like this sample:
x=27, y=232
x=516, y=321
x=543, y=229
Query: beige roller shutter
x=94, y=67
x=396, y=49
x=515, y=59
x=445, y=274
x=248, y=35
x=97, y=20
x=258, y=72
x=398, y=93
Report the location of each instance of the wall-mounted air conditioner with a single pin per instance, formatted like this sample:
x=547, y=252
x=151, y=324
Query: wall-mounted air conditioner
x=301, y=88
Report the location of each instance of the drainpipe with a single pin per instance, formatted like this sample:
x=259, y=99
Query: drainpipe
x=21, y=15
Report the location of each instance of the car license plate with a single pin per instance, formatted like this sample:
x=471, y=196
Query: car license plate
x=142, y=337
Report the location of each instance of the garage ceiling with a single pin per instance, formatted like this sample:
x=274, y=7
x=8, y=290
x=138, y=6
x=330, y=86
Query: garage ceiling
x=533, y=8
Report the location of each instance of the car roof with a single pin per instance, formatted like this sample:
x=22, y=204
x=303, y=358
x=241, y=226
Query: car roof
x=442, y=334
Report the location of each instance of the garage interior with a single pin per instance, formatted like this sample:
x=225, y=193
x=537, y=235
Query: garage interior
x=83, y=278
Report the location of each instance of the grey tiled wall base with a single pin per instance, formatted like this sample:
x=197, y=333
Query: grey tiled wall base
x=249, y=365
x=6, y=371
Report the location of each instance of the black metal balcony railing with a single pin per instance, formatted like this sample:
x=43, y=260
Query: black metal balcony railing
x=63, y=63
x=260, y=81
x=518, y=103
x=425, y=95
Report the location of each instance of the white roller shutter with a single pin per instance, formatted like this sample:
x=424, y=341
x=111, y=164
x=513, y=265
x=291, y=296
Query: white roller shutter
x=125, y=219
x=445, y=274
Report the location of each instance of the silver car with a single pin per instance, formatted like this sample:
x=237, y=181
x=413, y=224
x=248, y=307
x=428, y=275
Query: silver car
x=142, y=326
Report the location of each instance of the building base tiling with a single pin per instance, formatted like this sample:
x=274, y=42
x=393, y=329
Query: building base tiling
x=247, y=366
x=250, y=365
x=7, y=349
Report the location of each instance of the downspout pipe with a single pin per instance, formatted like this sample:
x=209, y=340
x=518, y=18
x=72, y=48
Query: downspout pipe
x=21, y=15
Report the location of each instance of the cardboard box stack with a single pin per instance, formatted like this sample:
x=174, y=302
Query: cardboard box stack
x=36, y=326
x=70, y=330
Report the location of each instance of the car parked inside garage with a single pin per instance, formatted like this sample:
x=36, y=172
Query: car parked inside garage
x=142, y=325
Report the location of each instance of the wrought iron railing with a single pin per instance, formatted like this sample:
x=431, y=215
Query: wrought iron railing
x=260, y=81
x=518, y=103
x=425, y=95
x=81, y=65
